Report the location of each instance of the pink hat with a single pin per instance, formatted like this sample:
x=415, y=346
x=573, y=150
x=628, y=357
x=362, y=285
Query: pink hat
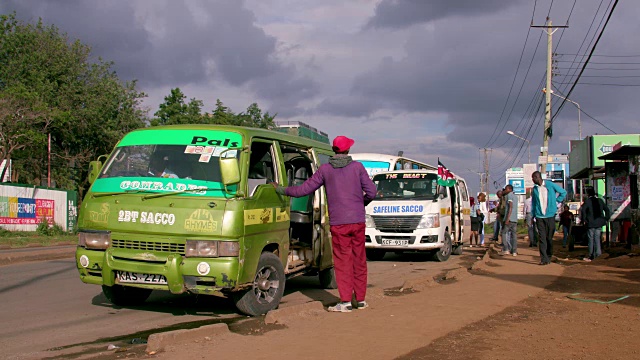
x=342, y=143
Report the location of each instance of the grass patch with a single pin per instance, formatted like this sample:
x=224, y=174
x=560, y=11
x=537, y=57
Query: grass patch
x=19, y=239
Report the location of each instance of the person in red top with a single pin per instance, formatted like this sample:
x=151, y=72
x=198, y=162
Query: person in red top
x=348, y=188
x=566, y=219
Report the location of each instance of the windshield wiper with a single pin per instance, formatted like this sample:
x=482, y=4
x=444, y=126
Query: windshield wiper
x=157, y=195
x=121, y=192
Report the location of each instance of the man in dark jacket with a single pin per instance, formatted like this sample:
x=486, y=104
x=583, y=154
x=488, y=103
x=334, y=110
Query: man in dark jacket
x=348, y=188
x=594, y=215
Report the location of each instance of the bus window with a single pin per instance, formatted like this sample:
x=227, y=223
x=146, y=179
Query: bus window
x=399, y=165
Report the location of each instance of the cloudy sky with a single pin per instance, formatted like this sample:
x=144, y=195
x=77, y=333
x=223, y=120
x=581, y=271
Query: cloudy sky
x=433, y=78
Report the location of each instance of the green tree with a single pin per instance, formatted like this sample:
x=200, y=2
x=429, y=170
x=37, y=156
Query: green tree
x=174, y=110
x=51, y=86
x=254, y=117
x=220, y=115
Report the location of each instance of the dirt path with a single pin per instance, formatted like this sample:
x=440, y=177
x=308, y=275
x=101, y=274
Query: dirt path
x=553, y=326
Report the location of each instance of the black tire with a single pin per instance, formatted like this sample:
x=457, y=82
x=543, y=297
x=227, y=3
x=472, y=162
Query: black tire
x=267, y=289
x=457, y=250
x=444, y=252
x=328, y=278
x=375, y=254
x=125, y=295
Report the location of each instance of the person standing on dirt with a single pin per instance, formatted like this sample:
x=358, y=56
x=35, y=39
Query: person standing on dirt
x=544, y=199
x=348, y=188
x=509, y=236
x=566, y=220
x=497, y=225
x=594, y=214
x=475, y=221
x=482, y=201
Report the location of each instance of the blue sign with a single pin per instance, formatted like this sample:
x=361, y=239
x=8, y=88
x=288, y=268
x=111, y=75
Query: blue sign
x=518, y=186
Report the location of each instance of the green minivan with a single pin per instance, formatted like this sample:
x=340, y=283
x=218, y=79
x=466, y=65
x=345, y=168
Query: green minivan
x=189, y=208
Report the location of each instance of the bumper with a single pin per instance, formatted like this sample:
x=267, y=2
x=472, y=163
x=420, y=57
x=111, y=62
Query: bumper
x=418, y=240
x=181, y=272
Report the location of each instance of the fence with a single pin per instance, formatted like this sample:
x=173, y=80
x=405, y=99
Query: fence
x=22, y=207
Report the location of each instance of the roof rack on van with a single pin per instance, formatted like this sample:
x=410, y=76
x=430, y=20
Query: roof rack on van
x=301, y=129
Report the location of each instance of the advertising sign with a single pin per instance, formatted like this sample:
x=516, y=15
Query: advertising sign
x=518, y=186
x=619, y=190
x=25, y=211
x=579, y=157
x=603, y=144
x=528, y=170
x=557, y=176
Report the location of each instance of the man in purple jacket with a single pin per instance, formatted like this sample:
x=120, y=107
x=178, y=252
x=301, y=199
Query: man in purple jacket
x=348, y=188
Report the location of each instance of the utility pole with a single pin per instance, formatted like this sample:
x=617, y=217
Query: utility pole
x=544, y=151
x=485, y=186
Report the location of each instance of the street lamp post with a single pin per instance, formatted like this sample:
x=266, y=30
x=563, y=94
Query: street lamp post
x=579, y=128
x=574, y=103
x=523, y=139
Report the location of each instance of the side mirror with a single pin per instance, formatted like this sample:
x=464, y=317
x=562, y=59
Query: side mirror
x=229, y=170
x=94, y=171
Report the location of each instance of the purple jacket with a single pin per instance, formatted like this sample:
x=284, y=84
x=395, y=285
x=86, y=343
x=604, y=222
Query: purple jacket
x=345, y=185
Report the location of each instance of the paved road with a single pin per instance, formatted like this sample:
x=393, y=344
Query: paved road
x=45, y=306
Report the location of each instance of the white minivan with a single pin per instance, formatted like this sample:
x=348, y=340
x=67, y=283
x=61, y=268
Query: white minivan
x=411, y=212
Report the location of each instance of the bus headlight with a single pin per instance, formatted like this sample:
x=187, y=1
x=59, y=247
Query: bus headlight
x=429, y=221
x=211, y=248
x=94, y=239
x=368, y=221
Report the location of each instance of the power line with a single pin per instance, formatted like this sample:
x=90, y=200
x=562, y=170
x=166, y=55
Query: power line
x=602, y=63
x=596, y=120
x=586, y=36
x=515, y=76
x=604, y=76
x=584, y=112
x=599, y=84
x=586, y=62
x=600, y=55
x=590, y=68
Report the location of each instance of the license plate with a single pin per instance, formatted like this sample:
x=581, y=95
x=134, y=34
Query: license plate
x=395, y=242
x=137, y=278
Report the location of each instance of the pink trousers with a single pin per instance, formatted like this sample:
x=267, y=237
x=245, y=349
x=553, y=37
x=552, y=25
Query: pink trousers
x=349, y=260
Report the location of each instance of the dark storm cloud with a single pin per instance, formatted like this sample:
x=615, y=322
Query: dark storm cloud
x=465, y=70
x=354, y=106
x=192, y=42
x=403, y=13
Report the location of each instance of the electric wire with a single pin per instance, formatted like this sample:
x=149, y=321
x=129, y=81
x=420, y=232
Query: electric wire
x=586, y=62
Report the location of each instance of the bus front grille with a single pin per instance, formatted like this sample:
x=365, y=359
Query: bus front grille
x=397, y=224
x=148, y=246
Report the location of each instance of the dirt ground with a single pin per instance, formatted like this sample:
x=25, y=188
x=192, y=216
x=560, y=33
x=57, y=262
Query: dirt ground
x=553, y=326
x=507, y=308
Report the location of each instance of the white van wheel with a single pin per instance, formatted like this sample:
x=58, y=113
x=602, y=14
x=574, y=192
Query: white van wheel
x=457, y=249
x=445, y=251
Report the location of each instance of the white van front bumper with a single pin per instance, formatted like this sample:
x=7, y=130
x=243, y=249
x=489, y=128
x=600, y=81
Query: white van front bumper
x=417, y=240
